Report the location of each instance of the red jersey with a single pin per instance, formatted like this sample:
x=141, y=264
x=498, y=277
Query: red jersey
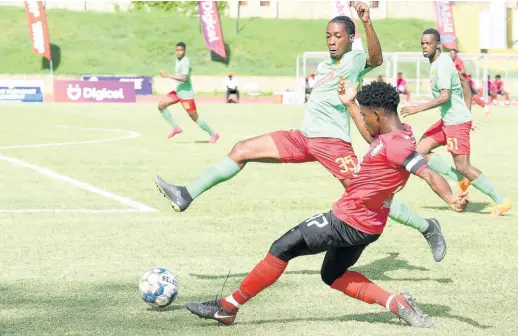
x=499, y=86
x=459, y=64
x=401, y=84
x=385, y=169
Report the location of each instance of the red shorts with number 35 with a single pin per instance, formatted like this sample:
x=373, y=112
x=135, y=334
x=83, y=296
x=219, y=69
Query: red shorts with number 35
x=188, y=104
x=335, y=155
x=456, y=137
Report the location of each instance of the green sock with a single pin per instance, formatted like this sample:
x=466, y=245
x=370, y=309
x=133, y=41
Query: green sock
x=442, y=167
x=168, y=117
x=403, y=215
x=204, y=126
x=220, y=172
x=483, y=184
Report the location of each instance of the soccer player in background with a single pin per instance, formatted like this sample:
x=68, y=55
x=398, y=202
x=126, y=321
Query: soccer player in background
x=324, y=135
x=461, y=68
x=401, y=86
x=183, y=94
x=498, y=85
x=453, y=129
x=356, y=220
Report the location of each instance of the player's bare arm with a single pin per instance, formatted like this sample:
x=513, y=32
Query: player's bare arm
x=465, y=89
x=347, y=96
x=180, y=78
x=443, y=190
x=373, y=44
x=444, y=97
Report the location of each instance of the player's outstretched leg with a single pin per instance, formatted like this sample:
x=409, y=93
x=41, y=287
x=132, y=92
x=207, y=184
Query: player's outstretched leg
x=429, y=227
x=264, y=274
x=480, y=181
x=258, y=149
x=166, y=114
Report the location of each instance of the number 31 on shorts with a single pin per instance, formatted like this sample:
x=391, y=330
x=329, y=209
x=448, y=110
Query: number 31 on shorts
x=346, y=163
x=452, y=144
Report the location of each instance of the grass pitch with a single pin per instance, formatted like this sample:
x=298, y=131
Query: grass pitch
x=76, y=273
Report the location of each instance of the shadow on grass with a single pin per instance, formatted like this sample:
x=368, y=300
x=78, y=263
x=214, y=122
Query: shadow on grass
x=375, y=271
x=475, y=207
x=433, y=310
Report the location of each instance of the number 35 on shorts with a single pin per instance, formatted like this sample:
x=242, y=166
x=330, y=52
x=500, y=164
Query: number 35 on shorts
x=346, y=163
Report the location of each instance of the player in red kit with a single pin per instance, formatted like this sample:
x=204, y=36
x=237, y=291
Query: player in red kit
x=498, y=89
x=355, y=221
x=470, y=85
x=401, y=86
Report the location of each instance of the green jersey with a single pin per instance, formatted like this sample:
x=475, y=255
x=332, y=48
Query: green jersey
x=444, y=75
x=326, y=116
x=183, y=68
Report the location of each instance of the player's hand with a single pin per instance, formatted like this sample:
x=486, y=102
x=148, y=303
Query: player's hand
x=346, y=94
x=408, y=110
x=363, y=10
x=460, y=202
x=475, y=127
x=164, y=74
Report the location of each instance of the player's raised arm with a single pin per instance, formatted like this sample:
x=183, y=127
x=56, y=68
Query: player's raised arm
x=347, y=96
x=443, y=190
x=373, y=44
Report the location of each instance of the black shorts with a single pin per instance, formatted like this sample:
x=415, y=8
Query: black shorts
x=325, y=231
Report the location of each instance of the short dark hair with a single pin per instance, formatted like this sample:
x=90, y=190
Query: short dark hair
x=434, y=32
x=399, y=73
x=347, y=22
x=498, y=76
x=379, y=95
x=181, y=44
x=454, y=50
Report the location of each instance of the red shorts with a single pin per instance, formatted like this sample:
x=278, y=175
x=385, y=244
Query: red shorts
x=188, y=104
x=456, y=137
x=335, y=154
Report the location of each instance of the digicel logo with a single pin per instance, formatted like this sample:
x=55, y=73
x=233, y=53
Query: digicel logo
x=208, y=18
x=74, y=92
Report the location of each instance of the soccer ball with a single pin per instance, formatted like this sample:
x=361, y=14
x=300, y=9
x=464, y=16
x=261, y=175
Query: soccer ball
x=158, y=287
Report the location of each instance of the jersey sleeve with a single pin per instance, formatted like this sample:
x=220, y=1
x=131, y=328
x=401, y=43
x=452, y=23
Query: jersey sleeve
x=444, y=74
x=400, y=151
x=184, y=67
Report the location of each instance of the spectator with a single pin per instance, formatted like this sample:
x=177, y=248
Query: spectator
x=402, y=87
x=380, y=78
x=498, y=89
x=490, y=90
x=310, y=82
x=232, y=88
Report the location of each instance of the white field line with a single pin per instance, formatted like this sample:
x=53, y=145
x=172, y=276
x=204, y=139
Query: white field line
x=69, y=210
x=137, y=207
x=129, y=135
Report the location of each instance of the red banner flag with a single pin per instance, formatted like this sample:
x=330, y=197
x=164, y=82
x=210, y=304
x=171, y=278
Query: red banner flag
x=211, y=26
x=38, y=28
x=445, y=25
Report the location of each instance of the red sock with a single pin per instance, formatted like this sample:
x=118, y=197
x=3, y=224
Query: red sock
x=357, y=286
x=264, y=274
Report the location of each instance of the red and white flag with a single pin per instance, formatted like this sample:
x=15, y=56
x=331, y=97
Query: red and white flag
x=445, y=24
x=38, y=28
x=342, y=8
x=211, y=26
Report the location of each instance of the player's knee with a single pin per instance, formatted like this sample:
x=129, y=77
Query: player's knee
x=463, y=167
x=240, y=152
x=280, y=250
x=329, y=275
x=162, y=105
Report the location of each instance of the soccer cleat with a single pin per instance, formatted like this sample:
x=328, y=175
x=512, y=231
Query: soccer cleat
x=500, y=209
x=435, y=239
x=464, y=184
x=214, y=138
x=177, y=195
x=412, y=314
x=176, y=130
x=212, y=310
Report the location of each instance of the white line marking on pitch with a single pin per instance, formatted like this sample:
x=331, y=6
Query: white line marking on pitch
x=80, y=184
x=70, y=210
x=129, y=135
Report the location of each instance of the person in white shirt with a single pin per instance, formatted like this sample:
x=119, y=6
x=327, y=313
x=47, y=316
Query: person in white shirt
x=232, y=87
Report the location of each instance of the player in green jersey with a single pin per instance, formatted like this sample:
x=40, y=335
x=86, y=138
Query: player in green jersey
x=454, y=127
x=183, y=94
x=324, y=135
